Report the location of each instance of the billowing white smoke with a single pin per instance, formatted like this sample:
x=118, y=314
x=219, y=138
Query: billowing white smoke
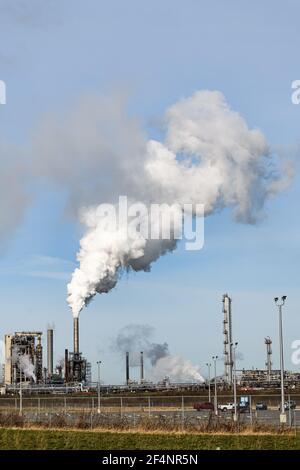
x=27, y=367
x=105, y=251
x=24, y=363
x=209, y=157
x=176, y=369
x=135, y=338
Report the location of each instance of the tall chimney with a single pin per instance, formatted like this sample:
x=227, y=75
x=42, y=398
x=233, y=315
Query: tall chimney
x=142, y=367
x=50, y=351
x=66, y=365
x=76, y=334
x=127, y=368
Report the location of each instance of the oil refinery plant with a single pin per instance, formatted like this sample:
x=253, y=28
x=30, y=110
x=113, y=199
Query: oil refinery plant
x=24, y=366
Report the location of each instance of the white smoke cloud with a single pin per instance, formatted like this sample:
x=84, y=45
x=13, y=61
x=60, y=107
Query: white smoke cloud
x=136, y=337
x=176, y=369
x=27, y=367
x=96, y=153
x=209, y=157
x=14, y=202
x=24, y=362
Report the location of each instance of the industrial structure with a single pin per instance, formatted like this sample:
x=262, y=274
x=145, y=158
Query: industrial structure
x=24, y=361
x=269, y=364
x=24, y=366
x=75, y=364
x=128, y=381
x=23, y=357
x=50, y=352
x=260, y=378
x=227, y=333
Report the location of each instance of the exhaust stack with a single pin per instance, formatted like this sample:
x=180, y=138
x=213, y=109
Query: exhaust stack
x=50, y=351
x=127, y=368
x=142, y=367
x=66, y=365
x=76, y=334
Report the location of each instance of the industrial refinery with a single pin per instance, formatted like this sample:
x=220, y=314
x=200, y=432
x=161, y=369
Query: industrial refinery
x=26, y=366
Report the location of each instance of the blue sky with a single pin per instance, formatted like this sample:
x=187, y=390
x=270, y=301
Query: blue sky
x=51, y=53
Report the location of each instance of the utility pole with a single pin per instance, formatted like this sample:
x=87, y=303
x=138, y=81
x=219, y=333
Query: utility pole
x=280, y=305
x=216, y=396
x=209, y=392
x=234, y=381
x=99, y=403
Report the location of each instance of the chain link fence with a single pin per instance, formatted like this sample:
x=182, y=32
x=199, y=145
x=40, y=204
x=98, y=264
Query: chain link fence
x=171, y=412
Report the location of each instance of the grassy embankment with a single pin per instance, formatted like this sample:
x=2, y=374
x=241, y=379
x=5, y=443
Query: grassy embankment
x=26, y=439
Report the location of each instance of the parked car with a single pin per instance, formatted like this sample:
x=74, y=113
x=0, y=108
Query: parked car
x=261, y=406
x=288, y=405
x=226, y=407
x=203, y=406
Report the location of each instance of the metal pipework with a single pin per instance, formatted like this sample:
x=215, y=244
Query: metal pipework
x=50, y=352
x=76, y=334
x=142, y=367
x=127, y=368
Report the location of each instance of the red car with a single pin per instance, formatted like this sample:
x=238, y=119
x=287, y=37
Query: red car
x=203, y=406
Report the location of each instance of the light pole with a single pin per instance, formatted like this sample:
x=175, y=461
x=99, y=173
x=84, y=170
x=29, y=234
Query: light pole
x=234, y=381
x=280, y=305
x=99, y=404
x=21, y=396
x=209, y=394
x=215, y=397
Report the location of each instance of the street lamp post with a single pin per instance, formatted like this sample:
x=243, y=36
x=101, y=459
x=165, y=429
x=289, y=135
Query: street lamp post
x=234, y=381
x=21, y=395
x=99, y=404
x=215, y=397
x=209, y=393
x=280, y=305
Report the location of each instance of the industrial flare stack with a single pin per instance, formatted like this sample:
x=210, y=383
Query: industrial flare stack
x=76, y=366
x=227, y=332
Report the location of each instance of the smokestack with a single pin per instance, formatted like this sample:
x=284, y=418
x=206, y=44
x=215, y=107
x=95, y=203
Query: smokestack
x=50, y=352
x=127, y=368
x=76, y=335
x=66, y=365
x=142, y=367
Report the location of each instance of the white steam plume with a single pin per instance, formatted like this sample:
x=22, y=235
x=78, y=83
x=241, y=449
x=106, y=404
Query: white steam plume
x=136, y=337
x=209, y=156
x=27, y=367
x=24, y=362
x=176, y=369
